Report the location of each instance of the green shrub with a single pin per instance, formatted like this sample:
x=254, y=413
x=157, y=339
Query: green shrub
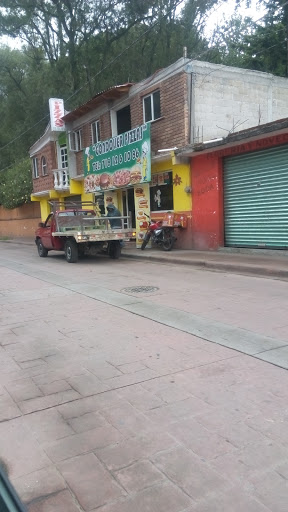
x=16, y=184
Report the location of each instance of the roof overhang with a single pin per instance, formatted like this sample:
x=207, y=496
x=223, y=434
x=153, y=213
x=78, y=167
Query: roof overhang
x=43, y=193
x=112, y=94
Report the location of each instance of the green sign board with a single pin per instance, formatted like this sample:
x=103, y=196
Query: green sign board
x=118, y=162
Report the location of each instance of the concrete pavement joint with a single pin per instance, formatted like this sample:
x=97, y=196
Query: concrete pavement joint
x=235, y=338
x=170, y=374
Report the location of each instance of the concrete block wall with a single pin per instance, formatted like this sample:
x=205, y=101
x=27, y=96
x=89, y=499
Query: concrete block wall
x=225, y=96
x=46, y=182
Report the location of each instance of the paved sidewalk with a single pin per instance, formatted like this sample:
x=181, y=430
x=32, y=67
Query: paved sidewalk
x=262, y=263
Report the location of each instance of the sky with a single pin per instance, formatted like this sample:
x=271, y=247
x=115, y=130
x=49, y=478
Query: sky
x=225, y=10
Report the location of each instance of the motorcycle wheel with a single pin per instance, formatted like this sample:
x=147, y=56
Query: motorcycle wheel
x=168, y=240
x=145, y=241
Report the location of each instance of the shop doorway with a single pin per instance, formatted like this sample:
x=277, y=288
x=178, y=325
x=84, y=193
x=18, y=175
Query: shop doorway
x=129, y=204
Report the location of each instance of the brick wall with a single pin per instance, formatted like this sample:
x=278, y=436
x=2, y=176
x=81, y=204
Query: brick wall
x=46, y=182
x=105, y=126
x=172, y=128
x=79, y=162
x=105, y=133
x=20, y=222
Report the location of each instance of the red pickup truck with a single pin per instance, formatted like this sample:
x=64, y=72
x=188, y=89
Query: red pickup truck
x=79, y=231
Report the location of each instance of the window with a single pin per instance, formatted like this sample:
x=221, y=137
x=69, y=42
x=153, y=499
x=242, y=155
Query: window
x=35, y=168
x=123, y=117
x=161, y=192
x=151, y=107
x=75, y=139
x=95, y=132
x=44, y=166
x=63, y=156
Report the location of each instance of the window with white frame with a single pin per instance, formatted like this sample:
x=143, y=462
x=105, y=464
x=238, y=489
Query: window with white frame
x=151, y=107
x=63, y=156
x=44, y=166
x=95, y=132
x=75, y=140
x=35, y=168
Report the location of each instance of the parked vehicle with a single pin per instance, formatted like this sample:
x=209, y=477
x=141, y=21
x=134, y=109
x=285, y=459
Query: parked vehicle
x=77, y=231
x=160, y=235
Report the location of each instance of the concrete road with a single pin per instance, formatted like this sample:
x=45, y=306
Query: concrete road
x=137, y=386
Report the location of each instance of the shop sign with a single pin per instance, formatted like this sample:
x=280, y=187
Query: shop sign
x=118, y=162
x=56, y=107
x=142, y=211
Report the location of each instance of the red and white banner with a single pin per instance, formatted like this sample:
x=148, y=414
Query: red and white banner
x=56, y=107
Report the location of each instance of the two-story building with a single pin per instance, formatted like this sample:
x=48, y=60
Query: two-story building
x=187, y=103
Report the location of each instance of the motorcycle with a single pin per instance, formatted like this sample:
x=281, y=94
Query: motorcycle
x=159, y=235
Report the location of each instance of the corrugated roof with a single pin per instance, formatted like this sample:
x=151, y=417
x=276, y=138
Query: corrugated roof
x=113, y=93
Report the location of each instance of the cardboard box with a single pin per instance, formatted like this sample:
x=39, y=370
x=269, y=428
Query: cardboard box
x=180, y=220
x=168, y=219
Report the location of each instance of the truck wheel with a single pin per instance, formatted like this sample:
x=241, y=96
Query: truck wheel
x=41, y=249
x=114, y=250
x=71, y=251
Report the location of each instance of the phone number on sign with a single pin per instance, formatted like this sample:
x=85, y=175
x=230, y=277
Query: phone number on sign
x=107, y=163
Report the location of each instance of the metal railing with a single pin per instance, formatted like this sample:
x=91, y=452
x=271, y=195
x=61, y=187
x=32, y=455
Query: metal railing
x=82, y=216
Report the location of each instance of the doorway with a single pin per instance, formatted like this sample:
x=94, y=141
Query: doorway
x=129, y=204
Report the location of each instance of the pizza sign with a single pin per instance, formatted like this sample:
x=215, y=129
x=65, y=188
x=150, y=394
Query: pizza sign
x=118, y=162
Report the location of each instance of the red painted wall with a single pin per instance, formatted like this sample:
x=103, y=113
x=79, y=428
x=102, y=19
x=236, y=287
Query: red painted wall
x=207, y=190
x=207, y=203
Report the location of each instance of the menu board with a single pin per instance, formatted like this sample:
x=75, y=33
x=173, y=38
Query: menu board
x=142, y=207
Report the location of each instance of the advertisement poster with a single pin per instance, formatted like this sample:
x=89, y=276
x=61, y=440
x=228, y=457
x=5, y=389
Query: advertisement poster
x=118, y=162
x=56, y=108
x=142, y=207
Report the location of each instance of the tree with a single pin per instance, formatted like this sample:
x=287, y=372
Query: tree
x=261, y=45
x=16, y=184
x=71, y=50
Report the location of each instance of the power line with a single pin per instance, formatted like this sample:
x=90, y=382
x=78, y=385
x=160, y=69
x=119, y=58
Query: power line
x=99, y=72
x=120, y=55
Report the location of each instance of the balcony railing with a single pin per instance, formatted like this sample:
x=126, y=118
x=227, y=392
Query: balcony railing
x=61, y=179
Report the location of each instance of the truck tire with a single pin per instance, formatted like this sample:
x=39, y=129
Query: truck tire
x=71, y=251
x=114, y=250
x=41, y=249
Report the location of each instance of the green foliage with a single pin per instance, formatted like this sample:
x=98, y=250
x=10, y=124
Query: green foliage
x=16, y=184
x=261, y=45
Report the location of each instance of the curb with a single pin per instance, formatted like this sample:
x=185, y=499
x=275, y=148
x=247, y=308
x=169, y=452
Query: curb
x=217, y=266
x=18, y=242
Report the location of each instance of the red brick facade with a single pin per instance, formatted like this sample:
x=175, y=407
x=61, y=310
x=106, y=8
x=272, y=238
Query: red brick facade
x=45, y=182
x=170, y=130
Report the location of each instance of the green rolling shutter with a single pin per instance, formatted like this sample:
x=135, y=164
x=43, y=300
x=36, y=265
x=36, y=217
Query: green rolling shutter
x=256, y=199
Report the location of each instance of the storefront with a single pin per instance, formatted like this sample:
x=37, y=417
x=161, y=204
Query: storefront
x=256, y=199
x=170, y=191
x=119, y=171
x=240, y=192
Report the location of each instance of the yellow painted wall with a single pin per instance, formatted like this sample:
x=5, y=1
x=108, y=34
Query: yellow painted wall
x=182, y=199
x=76, y=187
